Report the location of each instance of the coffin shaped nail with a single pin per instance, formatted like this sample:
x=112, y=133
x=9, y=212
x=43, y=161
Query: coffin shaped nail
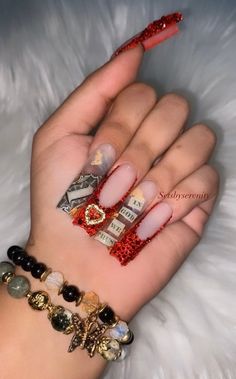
x=128, y=213
x=106, y=199
x=98, y=164
x=155, y=33
x=142, y=233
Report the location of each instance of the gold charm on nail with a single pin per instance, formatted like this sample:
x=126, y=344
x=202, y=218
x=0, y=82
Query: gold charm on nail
x=94, y=215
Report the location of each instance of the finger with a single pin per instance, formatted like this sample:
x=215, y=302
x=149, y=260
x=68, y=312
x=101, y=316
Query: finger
x=187, y=154
x=157, y=132
x=169, y=114
x=205, y=180
x=127, y=113
x=85, y=107
x=195, y=190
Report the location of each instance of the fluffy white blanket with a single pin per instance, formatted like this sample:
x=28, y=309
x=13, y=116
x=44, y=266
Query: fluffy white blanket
x=46, y=49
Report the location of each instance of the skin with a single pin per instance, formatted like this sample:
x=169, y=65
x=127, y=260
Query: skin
x=132, y=118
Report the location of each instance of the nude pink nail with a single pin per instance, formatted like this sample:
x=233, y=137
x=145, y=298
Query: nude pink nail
x=117, y=185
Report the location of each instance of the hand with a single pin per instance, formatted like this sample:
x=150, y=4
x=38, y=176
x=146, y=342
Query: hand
x=60, y=149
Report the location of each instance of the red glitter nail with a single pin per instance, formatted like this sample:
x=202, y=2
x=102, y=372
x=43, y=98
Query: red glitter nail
x=130, y=245
x=155, y=33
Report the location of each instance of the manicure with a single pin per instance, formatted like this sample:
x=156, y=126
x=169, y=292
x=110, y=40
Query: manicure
x=155, y=33
x=106, y=199
x=133, y=206
x=142, y=233
x=117, y=185
x=98, y=164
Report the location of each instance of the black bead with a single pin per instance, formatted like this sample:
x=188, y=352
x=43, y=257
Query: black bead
x=28, y=263
x=70, y=293
x=12, y=250
x=107, y=315
x=38, y=269
x=60, y=322
x=18, y=257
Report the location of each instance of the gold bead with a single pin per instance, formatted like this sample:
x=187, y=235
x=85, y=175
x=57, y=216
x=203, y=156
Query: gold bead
x=7, y=278
x=39, y=300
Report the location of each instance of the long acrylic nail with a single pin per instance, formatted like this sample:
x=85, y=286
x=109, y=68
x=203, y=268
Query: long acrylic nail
x=106, y=199
x=133, y=206
x=98, y=164
x=155, y=33
x=142, y=233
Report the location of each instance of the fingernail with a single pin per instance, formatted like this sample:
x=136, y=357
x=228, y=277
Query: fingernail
x=106, y=199
x=155, y=33
x=142, y=233
x=133, y=206
x=117, y=185
x=98, y=164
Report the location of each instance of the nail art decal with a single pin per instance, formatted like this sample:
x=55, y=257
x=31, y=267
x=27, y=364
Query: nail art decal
x=106, y=199
x=155, y=33
x=98, y=164
x=126, y=216
x=142, y=233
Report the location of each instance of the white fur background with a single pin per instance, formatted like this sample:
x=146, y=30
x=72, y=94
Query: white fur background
x=46, y=49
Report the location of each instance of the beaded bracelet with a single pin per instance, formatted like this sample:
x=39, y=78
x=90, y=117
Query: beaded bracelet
x=89, y=333
x=89, y=301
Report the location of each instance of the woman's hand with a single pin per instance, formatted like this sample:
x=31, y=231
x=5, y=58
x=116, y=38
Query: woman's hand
x=140, y=128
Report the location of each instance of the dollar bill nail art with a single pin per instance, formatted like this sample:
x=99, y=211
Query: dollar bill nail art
x=127, y=215
x=98, y=164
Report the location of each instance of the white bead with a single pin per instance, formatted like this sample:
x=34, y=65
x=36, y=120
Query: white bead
x=119, y=331
x=54, y=280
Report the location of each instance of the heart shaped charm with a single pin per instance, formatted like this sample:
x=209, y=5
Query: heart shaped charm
x=94, y=215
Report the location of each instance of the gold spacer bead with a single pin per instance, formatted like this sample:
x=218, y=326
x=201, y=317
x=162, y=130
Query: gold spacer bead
x=78, y=301
x=69, y=330
x=29, y=294
x=7, y=278
x=116, y=322
x=44, y=276
x=101, y=307
x=61, y=288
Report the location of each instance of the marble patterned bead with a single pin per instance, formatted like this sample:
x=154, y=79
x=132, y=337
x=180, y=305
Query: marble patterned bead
x=109, y=349
x=18, y=287
x=54, y=280
x=124, y=353
x=120, y=331
x=6, y=267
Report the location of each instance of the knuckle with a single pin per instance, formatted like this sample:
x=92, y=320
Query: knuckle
x=212, y=175
x=144, y=89
x=208, y=134
x=143, y=150
x=177, y=100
